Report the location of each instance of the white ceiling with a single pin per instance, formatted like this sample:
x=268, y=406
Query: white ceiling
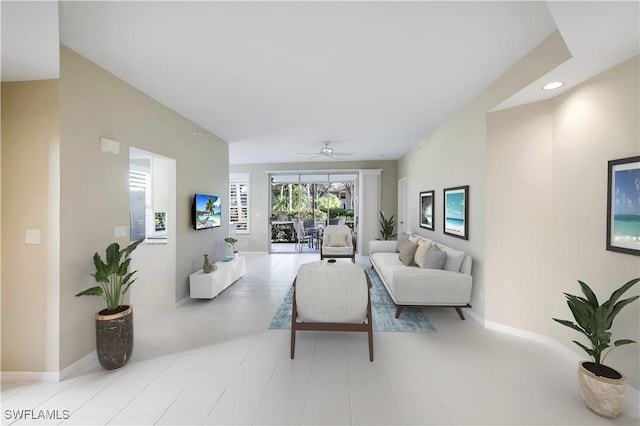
x=30, y=40
x=277, y=78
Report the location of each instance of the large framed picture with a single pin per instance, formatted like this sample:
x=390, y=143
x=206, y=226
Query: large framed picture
x=623, y=206
x=426, y=209
x=456, y=212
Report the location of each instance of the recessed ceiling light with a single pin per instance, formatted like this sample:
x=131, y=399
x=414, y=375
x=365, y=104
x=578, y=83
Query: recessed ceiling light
x=554, y=85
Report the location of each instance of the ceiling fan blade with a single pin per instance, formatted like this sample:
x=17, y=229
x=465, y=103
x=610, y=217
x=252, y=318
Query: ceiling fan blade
x=326, y=152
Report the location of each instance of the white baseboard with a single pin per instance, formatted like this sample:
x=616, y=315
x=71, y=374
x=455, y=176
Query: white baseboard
x=90, y=358
x=477, y=318
x=182, y=301
x=31, y=376
x=49, y=376
x=632, y=393
x=517, y=332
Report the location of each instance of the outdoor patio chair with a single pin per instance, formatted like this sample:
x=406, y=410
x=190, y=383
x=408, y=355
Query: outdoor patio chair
x=301, y=237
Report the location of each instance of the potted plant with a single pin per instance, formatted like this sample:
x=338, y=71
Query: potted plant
x=114, y=324
x=232, y=244
x=386, y=227
x=602, y=388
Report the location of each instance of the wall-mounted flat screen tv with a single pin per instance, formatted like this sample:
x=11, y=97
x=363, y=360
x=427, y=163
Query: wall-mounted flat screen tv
x=206, y=211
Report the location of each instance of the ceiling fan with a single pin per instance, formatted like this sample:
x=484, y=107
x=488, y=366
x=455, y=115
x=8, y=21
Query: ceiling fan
x=326, y=152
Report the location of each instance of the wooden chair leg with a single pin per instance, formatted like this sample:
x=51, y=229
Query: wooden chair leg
x=369, y=318
x=294, y=314
x=398, y=311
x=459, y=311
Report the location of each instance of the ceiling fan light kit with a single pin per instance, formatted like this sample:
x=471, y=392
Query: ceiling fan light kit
x=326, y=152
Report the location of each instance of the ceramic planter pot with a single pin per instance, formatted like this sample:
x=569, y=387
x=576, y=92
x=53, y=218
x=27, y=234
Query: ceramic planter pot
x=602, y=395
x=114, y=338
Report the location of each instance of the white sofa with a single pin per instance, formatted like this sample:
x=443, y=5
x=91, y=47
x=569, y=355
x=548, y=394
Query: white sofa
x=415, y=286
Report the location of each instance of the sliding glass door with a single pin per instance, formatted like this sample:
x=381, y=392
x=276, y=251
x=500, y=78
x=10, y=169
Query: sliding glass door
x=302, y=204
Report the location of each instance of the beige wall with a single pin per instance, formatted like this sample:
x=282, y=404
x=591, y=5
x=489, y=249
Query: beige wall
x=95, y=194
x=594, y=123
x=30, y=200
x=258, y=239
x=547, y=187
x=519, y=233
x=456, y=154
x=548, y=160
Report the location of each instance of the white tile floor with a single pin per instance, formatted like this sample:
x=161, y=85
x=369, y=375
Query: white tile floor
x=215, y=362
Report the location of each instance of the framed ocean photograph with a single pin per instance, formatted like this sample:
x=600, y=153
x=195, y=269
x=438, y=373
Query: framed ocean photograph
x=426, y=209
x=623, y=206
x=456, y=212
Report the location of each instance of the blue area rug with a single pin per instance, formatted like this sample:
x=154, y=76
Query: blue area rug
x=382, y=308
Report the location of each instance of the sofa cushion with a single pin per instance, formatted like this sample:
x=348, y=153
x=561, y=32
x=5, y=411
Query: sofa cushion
x=407, y=252
x=421, y=253
x=338, y=240
x=383, y=259
x=436, y=258
x=402, y=238
x=415, y=286
x=454, y=259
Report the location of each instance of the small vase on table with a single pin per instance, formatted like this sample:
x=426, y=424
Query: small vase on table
x=207, y=266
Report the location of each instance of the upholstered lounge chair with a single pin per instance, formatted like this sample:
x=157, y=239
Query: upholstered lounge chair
x=331, y=296
x=337, y=242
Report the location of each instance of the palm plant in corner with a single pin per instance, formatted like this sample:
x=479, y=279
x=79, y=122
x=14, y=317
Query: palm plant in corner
x=114, y=324
x=602, y=388
x=386, y=227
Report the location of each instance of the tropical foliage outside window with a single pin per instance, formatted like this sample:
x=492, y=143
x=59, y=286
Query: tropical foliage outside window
x=319, y=201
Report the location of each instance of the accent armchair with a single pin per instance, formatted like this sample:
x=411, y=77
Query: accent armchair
x=337, y=242
x=331, y=296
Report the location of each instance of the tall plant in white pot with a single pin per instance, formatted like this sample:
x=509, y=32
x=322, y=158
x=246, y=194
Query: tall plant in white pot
x=602, y=388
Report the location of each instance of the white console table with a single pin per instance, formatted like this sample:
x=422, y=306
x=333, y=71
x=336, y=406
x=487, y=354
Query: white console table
x=208, y=286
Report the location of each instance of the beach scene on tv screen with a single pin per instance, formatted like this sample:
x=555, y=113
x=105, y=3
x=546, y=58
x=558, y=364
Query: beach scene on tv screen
x=207, y=211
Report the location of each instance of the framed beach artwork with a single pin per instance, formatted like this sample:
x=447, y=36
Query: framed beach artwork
x=456, y=212
x=623, y=206
x=426, y=209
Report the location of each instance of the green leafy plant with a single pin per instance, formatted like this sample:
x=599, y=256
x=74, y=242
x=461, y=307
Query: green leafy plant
x=386, y=227
x=232, y=242
x=113, y=275
x=594, y=320
x=280, y=207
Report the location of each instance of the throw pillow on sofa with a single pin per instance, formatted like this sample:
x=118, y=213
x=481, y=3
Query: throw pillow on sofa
x=402, y=238
x=414, y=238
x=421, y=253
x=436, y=258
x=338, y=240
x=407, y=252
x=454, y=260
